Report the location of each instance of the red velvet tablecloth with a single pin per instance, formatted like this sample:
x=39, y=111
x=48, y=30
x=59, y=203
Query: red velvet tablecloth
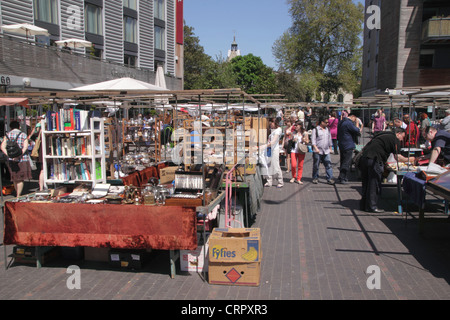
x=100, y=225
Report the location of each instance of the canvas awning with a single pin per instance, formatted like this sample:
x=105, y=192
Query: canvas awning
x=13, y=101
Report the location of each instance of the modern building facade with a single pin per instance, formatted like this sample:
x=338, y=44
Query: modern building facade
x=130, y=38
x=410, y=49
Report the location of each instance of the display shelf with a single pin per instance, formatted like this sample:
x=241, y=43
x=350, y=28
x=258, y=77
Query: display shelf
x=73, y=156
x=145, y=135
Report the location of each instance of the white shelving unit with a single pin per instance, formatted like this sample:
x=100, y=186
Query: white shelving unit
x=73, y=156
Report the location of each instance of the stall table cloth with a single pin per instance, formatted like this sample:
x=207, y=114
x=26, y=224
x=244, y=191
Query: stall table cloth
x=100, y=225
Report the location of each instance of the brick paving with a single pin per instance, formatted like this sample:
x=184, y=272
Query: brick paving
x=316, y=245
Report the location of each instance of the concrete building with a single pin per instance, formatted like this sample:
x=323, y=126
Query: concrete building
x=130, y=38
x=410, y=49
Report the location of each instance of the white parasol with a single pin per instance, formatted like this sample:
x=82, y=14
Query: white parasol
x=74, y=43
x=160, y=81
x=26, y=29
x=122, y=84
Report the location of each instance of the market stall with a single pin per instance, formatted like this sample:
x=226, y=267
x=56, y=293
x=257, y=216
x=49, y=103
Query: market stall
x=143, y=202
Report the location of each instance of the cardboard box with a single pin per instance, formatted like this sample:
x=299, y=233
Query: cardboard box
x=96, y=254
x=167, y=175
x=27, y=255
x=235, y=274
x=195, y=260
x=128, y=259
x=235, y=245
x=235, y=256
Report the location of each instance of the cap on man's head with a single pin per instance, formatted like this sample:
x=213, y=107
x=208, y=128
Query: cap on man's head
x=447, y=111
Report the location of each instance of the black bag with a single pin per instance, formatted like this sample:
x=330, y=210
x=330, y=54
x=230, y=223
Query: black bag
x=3, y=157
x=12, y=148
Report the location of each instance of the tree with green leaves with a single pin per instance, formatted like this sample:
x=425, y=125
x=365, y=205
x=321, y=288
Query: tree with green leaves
x=252, y=75
x=202, y=72
x=323, y=43
x=196, y=62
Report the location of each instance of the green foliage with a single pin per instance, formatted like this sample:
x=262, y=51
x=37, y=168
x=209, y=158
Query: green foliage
x=252, y=75
x=202, y=72
x=323, y=43
x=196, y=62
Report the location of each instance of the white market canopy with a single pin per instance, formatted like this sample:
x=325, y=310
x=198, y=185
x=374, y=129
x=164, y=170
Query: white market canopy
x=122, y=84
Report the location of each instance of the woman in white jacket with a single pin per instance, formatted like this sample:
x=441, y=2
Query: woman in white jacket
x=274, y=169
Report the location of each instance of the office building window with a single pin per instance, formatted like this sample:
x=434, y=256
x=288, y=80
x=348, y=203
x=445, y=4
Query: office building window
x=46, y=11
x=94, y=19
x=130, y=60
x=426, y=58
x=130, y=29
x=160, y=38
x=160, y=12
x=132, y=4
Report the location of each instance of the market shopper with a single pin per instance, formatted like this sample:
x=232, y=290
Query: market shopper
x=274, y=169
x=346, y=134
x=379, y=122
x=287, y=145
x=322, y=146
x=412, y=132
x=398, y=123
x=301, y=116
x=445, y=123
x=423, y=125
x=333, y=122
x=440, y=145
x=19, y=167
x=299, y=136
x=372, y=162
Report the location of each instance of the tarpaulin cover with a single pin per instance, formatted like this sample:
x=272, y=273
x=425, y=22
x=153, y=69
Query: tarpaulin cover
x=100, y=225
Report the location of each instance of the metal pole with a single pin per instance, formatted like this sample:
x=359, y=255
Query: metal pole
x=201, y=145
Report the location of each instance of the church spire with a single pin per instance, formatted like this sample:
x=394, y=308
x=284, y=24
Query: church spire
x=234, y=52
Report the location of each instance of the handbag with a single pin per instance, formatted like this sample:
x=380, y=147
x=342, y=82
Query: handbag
x=302, y=148
x=37, y=145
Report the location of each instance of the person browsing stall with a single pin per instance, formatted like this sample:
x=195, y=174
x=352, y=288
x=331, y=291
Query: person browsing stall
x=440, y=145
x=374, y=157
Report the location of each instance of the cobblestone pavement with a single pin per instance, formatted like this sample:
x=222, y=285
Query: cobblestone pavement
x=316, y=245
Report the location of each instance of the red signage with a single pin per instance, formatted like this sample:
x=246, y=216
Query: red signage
x=179, y=22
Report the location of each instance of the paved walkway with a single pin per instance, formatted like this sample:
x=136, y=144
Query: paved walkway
x=316, y=245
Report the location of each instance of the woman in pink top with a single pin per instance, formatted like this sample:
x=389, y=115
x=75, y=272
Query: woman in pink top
x=332, y=125
x=379, y=122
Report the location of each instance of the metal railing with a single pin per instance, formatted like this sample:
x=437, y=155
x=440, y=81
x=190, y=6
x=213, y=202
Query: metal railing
x=30, y=59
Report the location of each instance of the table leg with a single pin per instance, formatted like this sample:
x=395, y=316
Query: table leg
x=399, y=192
x=421, y=220
x=174, y=255
x=38, y=257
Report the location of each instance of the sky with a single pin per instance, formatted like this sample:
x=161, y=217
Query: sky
x=257, y=24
